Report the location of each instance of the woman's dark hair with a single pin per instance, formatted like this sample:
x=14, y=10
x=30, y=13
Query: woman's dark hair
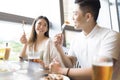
x=33, y=35
x=91, y=6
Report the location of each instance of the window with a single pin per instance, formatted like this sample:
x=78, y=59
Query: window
x=68, y=10
x=11, y=33
x=11, y=17
x=69, y=34
x=107, y=19
x=114, y=14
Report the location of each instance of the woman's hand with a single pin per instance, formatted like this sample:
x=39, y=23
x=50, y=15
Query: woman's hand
x=23, y=39
x=58, y=40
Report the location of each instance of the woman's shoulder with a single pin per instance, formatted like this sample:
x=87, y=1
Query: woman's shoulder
x=48, y=41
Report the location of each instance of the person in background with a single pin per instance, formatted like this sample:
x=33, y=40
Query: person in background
x=93, y=40
x=39, y=41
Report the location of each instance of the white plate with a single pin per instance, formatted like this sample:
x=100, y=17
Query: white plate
x=7, y=68
x=64, y=77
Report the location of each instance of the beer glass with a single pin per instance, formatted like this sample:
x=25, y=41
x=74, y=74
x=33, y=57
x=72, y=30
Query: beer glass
x=102, y=68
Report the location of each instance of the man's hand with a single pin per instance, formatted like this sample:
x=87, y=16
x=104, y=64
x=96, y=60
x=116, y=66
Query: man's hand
x=55, y=67
x=58, y=40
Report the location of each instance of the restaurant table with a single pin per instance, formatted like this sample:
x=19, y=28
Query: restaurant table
x=22, y=71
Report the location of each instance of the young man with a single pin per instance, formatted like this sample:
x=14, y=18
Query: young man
x=93, y=40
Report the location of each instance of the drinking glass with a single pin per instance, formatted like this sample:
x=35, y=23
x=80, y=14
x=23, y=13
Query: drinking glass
x=7, y=53
x=102, y=68
x=33, y=56
x=2, y=53
x=46, y=65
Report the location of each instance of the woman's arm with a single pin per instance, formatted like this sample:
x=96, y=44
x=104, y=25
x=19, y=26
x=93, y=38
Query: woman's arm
x=23, y=40
x=23, y=52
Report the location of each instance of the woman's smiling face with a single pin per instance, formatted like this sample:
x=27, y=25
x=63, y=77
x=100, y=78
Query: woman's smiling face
x=41, y=26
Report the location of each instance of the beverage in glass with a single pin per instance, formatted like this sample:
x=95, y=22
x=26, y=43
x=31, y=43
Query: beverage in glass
x=7, y=53
x=2, y=53
x=33, y=56
x=33, y=65
x=102, y=68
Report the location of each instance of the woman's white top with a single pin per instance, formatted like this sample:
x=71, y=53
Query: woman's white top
x=100, y=41
x=47, y=53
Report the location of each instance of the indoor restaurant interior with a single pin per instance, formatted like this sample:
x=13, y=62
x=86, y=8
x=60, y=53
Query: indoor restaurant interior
x=16, y=20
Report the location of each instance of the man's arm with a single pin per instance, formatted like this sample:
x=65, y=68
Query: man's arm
x=73, y=73
x=67, y=60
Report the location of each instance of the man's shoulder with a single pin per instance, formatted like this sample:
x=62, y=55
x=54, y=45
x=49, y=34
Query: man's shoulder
x=107, y=30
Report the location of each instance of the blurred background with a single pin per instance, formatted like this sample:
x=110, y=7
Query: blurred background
x=13, y=12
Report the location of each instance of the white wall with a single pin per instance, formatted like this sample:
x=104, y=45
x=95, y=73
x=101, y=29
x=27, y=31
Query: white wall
x=108, y=15
x=35, y=8
x=104, y=16
x=53, y=12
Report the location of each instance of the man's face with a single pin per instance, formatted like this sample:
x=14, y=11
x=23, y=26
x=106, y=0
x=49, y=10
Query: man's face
x=78, y=17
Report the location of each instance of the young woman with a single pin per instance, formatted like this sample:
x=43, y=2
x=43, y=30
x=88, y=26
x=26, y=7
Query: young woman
x=39, y=43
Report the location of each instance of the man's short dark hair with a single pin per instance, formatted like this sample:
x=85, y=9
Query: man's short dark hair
x=92, y=6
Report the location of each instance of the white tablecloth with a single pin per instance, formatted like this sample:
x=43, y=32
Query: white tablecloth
x=23, y=71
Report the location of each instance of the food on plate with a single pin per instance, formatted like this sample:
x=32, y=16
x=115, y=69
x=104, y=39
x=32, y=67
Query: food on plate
x=58, y=77
x=53, y=77
x=4, y=70
x=48, y=78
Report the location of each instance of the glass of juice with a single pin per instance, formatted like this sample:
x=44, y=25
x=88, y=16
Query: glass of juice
x=2, y=53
